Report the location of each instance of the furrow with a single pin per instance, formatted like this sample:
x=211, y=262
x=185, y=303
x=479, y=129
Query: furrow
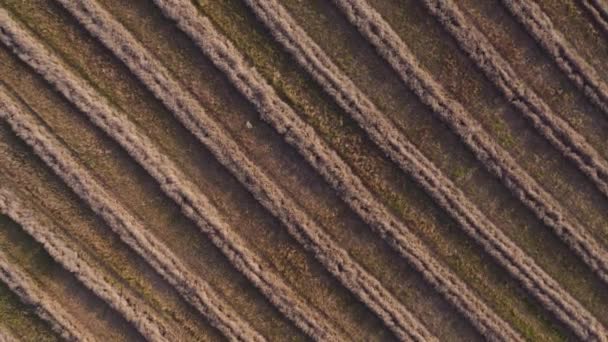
x=579, y=71
x=504, y=123
x=352, y=100
x=305, y=230
x=131, y=308
x=599, y=12
x=195, y=290
x=563, y=137
x=538, y=69
x=521, y=266
x=49, y=310
x=142, y=195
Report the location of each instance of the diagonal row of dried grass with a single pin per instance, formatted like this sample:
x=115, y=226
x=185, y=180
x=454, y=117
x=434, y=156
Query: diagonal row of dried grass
x=352, y=100
x=388, y=44
x=47, y=308
x=565, y=139
x=194, y=289
x=581, y=73
x=128, y=304
x=558, y=132
x=598, y=11
x=304, y=229
x=157, y=78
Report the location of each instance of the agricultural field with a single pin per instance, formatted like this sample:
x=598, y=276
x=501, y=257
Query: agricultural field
x=295, y=170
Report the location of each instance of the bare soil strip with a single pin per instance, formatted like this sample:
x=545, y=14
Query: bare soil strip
x=581, y=73
x=47, y=308
x=300, y=225
x=563, y=137
x=522, y=267
x=194, y=289
x=351, y=99
x=139, y=314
